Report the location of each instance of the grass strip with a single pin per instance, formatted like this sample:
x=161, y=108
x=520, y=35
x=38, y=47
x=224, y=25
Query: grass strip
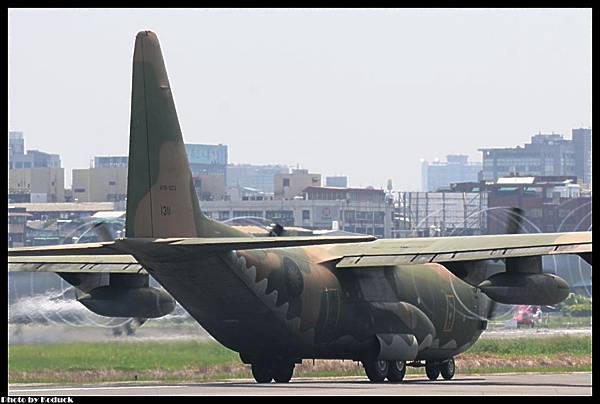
x=201, y=360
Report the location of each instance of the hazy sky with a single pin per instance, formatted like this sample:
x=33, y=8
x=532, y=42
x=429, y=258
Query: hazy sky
x=362, y=93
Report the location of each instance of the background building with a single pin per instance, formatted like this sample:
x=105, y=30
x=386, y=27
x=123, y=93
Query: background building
x=34, y=176
x=582, y=144
x=17, y=158
x=287, y=186
x=456, y=168
x=362, y=217
x=36, y=185
x=106, y=181
x=546, y=155
x=100, y=184
x=429, y=214
x=17, y=220
x=208, y=164
x=257, y=177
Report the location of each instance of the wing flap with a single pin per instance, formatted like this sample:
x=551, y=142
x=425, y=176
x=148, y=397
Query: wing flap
x=75, y=263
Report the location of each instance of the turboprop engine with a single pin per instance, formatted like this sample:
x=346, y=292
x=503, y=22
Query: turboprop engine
x=114, y=301
x=526, y=288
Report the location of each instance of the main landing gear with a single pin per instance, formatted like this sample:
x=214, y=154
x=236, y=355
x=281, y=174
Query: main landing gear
x=280, y=371
x=446, y=368
x=378, y=371
x=394, y=371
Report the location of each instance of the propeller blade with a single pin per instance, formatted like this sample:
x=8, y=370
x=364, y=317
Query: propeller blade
x=69, y=293
x=491, y=308
x=102, y=231
x=514, y=220
x=276, y=230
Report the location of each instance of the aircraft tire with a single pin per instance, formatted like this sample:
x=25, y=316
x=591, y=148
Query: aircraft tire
x=432, y=369
x=397, y=370
x=262, y=373
x=283, y=372
x=447, y=369
x=376, y=371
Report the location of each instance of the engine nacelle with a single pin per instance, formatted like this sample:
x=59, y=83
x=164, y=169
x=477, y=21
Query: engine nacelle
x=396, y=347
x=524, y=288
x=145, y=302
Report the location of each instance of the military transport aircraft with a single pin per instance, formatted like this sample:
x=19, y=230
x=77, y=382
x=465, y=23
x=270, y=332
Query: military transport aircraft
x=278, y=300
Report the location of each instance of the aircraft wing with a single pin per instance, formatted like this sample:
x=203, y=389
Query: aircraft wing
x=119, y=256
x=391, y=252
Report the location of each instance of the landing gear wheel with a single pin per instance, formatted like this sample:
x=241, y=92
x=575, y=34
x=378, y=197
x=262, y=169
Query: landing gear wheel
x=376, y=371
x=396, y=371
x=282, y=372
x=447, y=369
x=432, y=369
x=261, y=373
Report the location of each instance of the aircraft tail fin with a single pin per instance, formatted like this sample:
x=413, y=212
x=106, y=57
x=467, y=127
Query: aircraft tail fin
x=161, y=199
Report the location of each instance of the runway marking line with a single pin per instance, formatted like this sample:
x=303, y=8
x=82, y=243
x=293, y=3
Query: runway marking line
x=99, y=388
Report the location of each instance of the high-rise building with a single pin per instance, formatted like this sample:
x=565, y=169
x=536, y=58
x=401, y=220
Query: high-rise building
x=546, y=155
x=34, y=176
x=17, y=158
x=456, y=168
x=16, y=144
x=582, y=143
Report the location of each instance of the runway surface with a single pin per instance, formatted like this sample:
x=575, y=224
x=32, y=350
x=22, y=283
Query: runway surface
x=501, y=384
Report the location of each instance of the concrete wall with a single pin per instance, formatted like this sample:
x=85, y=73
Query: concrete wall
x=298, y=181
x=103, y=184
x=49, y=181
x=361, y=217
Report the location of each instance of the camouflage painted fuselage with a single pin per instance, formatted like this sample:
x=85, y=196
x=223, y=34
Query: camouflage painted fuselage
x=294, y=303
x=282, y=302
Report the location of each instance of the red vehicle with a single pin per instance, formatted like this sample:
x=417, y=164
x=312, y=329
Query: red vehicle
x=527, y=315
